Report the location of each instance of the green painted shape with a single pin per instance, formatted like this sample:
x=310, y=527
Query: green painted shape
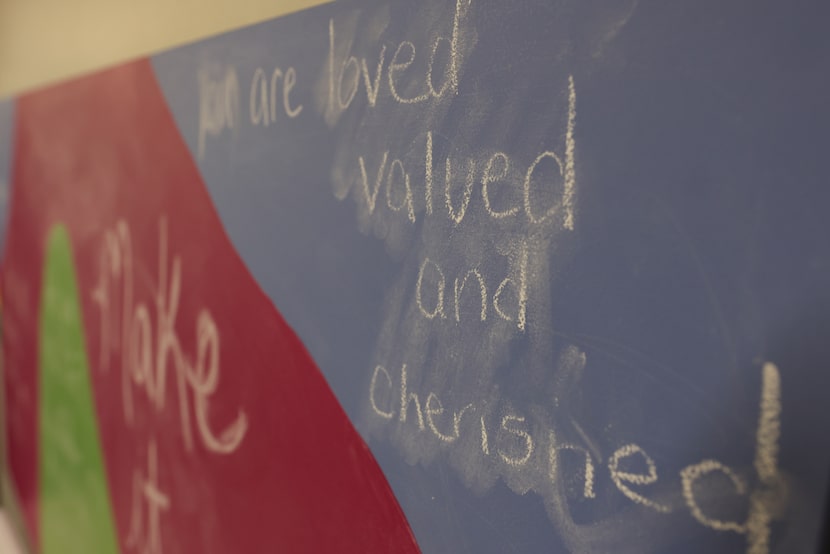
x=75, y=511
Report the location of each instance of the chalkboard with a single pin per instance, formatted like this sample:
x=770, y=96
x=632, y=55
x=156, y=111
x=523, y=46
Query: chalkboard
x=6, y=126
x=564, y=265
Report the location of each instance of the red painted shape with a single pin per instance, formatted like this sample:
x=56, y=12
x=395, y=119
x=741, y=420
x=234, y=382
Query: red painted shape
x=103, y=153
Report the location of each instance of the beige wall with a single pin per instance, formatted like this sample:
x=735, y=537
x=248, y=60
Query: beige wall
x=42, y=41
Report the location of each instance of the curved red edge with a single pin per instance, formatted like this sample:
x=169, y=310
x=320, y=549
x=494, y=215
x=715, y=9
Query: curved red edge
x=103, y=156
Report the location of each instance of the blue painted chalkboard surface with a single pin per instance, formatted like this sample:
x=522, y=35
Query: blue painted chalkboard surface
x=565, y=264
